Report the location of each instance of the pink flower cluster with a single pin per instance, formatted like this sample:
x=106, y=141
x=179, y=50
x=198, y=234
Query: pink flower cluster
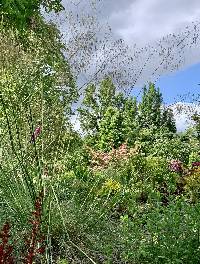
x=176, y=166
x=101, y=160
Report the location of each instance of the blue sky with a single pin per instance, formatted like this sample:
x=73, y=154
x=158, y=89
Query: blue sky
x=179, y=84
x=176, y=85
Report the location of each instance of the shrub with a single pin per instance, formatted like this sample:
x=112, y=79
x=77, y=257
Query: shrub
x=192, y=184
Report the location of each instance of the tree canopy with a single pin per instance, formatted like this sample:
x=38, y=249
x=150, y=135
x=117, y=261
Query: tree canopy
x=113, y=118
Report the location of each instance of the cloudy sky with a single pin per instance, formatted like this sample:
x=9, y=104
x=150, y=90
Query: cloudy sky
x=144, y=22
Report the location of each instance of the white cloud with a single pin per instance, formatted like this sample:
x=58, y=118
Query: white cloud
x=182, y=113
x=76, y=123
x=144, y=21
x=182, y=122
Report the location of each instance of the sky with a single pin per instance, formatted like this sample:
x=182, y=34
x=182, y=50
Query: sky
x=134, y=19
x=178, y=86
x=143, y=23
x=181, y=84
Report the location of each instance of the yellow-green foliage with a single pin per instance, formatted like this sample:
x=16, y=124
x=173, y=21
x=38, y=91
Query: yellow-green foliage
x=110, y=186
x=192, y=186
x=62, y=261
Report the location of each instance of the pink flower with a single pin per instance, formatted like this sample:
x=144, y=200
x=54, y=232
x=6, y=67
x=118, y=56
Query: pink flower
x=35, y=134
x=176, y=166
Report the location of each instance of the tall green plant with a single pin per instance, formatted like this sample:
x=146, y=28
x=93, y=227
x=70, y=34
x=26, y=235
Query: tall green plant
x=37, y=91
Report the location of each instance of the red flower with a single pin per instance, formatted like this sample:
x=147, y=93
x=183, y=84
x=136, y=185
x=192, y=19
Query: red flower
x=35, y=236
x=5, y=248
x=196, y=164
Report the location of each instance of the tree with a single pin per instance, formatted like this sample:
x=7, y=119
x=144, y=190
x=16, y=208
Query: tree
x=107, y=116
x=97, y=100
x=119, y=123
x=36, y=89
x=152, y=112
x=130, y=120
x=22, y=13
x=168, y=120
x=111, y=119
x=111, y=130
x=150, y=107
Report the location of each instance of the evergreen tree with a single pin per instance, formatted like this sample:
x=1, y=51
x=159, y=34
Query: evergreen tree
x=168, y=120
x=150, y=107
x=152, y=112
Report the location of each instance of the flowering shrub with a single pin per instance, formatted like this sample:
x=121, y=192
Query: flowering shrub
x=176, y=166
x=196, y=164
x=101, y=160
x=194, y=158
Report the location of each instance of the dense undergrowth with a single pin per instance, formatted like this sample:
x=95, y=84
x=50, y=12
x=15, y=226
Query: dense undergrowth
x=134, y=209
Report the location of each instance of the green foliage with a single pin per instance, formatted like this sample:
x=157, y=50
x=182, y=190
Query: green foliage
x=192, y=185
x=168, y=120
x=31, y=82
x=164, y=235
x=172, y=148
x=193, y=157
x=134, y=209
x=110, y=131
x=111, y=119
x=130, y=120
x=62, y=261
x=105, y=114
x=151, y=111
x=150, y=107
x=97, y=100
x=118, y=226
x=22, y=13
x=36, y=89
